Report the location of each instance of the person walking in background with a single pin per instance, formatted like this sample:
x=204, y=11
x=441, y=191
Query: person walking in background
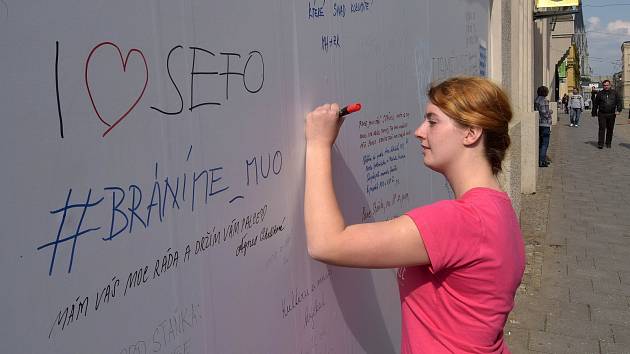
x=565, y=103
x=460, y=261
x=576, y=106
x=605, y=107
x=541, y=104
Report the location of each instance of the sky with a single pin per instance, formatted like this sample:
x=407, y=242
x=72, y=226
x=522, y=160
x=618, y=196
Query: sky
x=607, y=25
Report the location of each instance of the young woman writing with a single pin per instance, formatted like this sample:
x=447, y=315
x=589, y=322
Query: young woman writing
x=461, y=260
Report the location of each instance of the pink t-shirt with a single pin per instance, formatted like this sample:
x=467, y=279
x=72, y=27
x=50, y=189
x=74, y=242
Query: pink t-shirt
x=460, y=302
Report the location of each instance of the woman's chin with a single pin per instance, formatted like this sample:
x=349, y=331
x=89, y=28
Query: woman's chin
x=432, y=166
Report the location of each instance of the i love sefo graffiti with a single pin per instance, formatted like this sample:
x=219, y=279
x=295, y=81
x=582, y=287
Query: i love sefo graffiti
x=246, y=71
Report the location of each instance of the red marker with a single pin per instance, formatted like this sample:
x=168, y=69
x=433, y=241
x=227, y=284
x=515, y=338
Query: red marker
x=355, y=107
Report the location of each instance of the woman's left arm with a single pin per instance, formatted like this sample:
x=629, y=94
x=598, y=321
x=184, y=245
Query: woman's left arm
x=385, y=244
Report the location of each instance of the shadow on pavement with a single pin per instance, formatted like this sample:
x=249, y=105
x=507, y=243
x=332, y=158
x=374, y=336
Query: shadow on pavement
x=626, y=145
x=594, y=143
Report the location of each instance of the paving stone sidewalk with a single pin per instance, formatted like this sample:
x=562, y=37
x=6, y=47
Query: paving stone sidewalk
x=575, y=295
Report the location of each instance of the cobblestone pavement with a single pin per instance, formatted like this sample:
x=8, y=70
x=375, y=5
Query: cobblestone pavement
x=575, y=295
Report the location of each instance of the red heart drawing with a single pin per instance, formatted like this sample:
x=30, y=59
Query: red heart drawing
x=124, y=65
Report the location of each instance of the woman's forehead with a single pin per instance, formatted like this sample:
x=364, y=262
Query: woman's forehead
x=433, y=109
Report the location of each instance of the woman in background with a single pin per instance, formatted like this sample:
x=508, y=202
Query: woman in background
x=461, y=260
x=541, y=104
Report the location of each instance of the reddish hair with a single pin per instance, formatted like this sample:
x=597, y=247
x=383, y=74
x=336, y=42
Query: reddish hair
x=475, y=101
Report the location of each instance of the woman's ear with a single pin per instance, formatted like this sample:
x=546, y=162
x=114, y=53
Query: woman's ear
x=472, y=135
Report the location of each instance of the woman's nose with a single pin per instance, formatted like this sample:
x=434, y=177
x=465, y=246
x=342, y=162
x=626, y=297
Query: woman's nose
x=419, y=132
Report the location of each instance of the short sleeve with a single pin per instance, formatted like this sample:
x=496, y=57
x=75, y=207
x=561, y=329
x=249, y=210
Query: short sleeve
x=451, y=232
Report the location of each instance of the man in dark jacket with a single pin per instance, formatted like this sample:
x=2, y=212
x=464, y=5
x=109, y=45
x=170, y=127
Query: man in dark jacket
x=605, y=107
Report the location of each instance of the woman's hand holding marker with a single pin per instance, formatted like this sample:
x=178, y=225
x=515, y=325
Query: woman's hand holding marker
x=323, y=123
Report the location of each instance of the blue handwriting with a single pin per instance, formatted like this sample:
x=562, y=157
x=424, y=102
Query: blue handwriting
x=126, y=207
x=314, y=11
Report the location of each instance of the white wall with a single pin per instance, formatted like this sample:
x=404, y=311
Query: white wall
x=154, y=168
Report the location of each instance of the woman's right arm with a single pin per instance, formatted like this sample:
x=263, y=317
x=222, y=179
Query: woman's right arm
x=384, y=244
